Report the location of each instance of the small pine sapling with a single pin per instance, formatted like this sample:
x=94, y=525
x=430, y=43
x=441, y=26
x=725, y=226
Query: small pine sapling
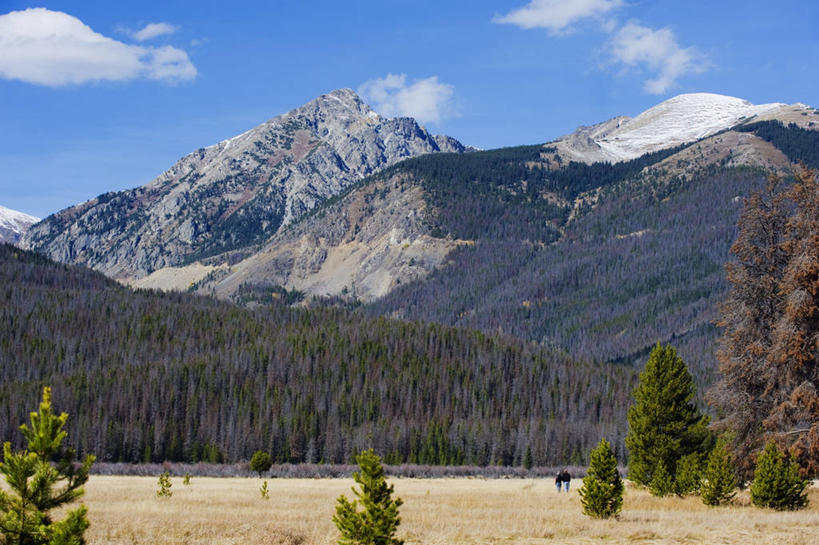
x=602, y=492
x=164, y=484
x=689, y=475
x=36, y=485
x=377, y=523
x=662, y=484
x=186, y=480
x=719, y=483
x=777, y=483
x=264, y=491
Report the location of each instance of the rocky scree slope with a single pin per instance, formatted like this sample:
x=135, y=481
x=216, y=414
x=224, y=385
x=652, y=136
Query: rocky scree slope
x=236, y=193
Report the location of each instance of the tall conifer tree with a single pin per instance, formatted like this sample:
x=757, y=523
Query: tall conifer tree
x=664, y=424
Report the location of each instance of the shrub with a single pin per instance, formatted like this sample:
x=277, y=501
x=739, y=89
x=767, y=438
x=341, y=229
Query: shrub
x=602, y=492
x=719, y=483
x=377, y=523
x=186, y=480
x=264, y=491
x=777, y=483
x=260, y=462
x=164, y=483
x=33, y=482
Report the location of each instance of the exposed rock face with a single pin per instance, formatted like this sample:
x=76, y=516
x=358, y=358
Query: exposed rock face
x=364, y=245
x=14, y=224
x=236, y=193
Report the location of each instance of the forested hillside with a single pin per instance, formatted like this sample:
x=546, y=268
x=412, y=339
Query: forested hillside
x=153, y=376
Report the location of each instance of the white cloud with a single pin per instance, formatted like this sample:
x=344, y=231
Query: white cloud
x=557, y=15
x=635, y=45
x=427, y=100
x=152, y=30
x=53, y=48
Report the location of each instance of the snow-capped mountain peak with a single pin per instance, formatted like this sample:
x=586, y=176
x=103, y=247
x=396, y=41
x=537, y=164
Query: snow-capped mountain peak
x=684, y=118
x=13, y=224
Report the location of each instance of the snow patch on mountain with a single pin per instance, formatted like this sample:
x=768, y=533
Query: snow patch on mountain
x=684, y=118
x=13, y=224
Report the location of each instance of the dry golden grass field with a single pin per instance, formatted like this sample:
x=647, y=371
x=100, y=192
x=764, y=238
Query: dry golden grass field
x=125, y=510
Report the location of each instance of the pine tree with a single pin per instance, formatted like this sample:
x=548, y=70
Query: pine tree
x=664, y=424
x=777, y=483
x=264, y=491
x=602, y=492
x=719, y=483
x=769, y=357
x=689, y=475
x=164, y=486
x=33, y=483
x=378, y=521
x=662, y=482
x=260, y=462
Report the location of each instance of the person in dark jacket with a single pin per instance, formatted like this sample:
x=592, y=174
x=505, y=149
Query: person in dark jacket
x=559, y=480
x=566, y=477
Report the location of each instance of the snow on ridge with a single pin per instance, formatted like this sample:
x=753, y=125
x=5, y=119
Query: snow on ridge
x=14, y=220
x=684, y=118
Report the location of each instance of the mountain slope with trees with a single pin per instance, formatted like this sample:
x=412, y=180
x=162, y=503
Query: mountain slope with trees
x=151, y=376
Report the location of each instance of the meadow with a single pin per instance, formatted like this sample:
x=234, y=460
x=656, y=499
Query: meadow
x=125, y=510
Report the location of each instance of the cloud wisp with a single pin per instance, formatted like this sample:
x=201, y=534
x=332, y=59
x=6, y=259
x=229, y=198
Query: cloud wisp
x=634, y=45
x=154, y=30
x=427, y=100
x=54, y=49
x=557, y=15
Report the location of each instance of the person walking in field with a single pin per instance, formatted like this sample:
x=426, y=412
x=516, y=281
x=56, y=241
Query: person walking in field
x=566, y=477
x=559, y=480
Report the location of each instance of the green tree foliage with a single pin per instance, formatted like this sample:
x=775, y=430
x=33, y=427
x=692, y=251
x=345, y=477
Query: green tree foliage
x=378, y=520
x=777, y=483
x=662, y=482
x=664, y=424
x=719, y=483
x=186, y=480
x=602, y=492
x=37, y=486
x=164, y=486
x=260, y=462
x=689, y=474
x=265, y=492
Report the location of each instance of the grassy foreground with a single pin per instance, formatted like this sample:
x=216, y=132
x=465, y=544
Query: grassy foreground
x=125, y=510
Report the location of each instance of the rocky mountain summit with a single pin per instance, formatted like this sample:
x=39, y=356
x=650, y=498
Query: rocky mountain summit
x=14, y=224
x=236, y=193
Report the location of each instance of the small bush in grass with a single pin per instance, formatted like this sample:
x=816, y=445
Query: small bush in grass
x=719, y=483
x=186, y=480
x=260, y=462
x=377, y=523
x=777, y=483
x=602, y=492
x=164, y=483
x=265, y=492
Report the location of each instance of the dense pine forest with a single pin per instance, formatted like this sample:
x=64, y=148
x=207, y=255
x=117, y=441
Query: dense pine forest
x=149, y=376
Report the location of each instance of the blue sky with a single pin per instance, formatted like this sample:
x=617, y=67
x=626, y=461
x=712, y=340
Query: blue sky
x=99, y=96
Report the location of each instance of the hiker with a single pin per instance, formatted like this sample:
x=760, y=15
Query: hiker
x=566, y=478
x=559, y=480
